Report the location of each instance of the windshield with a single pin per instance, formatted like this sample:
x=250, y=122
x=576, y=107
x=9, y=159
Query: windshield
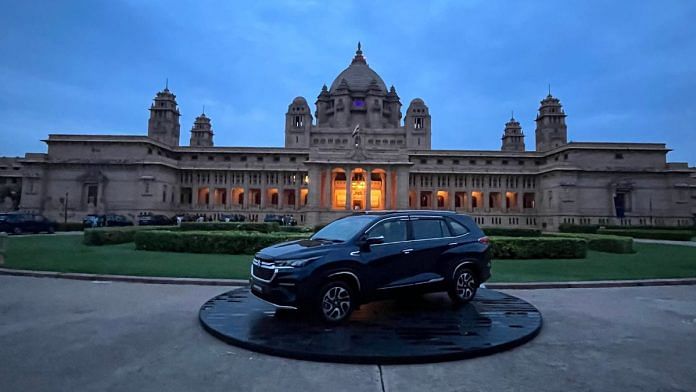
x=344, y=229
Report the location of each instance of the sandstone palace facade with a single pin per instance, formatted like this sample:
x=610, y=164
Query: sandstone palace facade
x=357, y=152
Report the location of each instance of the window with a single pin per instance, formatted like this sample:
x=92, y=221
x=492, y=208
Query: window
x=618, y=156
x=429, y=228
x=423, y=161
x=194, y=157
x=457, y=228
x=419, y=123
x=210, y=157
x=243, y=159
x=439, y=161
x=293, y=159
x=455, y=161
x=276, y=159
x=392, y=230
x=260, y=159
x=92, y=191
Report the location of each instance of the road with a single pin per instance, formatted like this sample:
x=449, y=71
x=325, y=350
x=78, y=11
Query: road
x=65, y=335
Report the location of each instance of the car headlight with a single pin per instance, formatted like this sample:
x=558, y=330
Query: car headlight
x=295, y=262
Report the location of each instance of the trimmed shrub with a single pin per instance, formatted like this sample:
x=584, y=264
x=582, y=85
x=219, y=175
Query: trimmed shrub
x=602, y=242
x=70, y=226
x=681, y=228
x=571, y=228
x=228, y=242
x=671, y=235
x=115, y=235
x=296, y=229
x=538, y=248
x=505, y=232
x=262, y=227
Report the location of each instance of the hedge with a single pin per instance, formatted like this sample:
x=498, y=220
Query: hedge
x=115, y=235
x=672, y=235
x=262, y=227
x=538, y=248
x=571, y=228
x=681, y=228
x=505, y=232
x=602, y=242
x=296, y=229
x=228, y=242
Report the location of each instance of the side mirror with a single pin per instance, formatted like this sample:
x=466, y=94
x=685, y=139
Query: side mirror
x=374, y=240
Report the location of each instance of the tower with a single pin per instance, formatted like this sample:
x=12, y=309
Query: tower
x=202, y=132
x=417, y=124
x=298, y=123
x=513, y=138
x=551, y=130
x=163, y=124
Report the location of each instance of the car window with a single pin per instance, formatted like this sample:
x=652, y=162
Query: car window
x=38, y=218
x=392, y=230
x=429, y=228
x=457, y=228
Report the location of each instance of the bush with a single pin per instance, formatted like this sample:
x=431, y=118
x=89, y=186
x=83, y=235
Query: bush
x=671, y=235
x=115, y=235
x=682, y=228
x=602, y=242
x=262, y=227
x=229, y=242
x=296, y=229
x=501, y=231
x=571, y=228
x=69, y=226
x=538, y=248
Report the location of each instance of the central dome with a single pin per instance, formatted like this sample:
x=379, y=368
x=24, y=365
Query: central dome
x=358, y=75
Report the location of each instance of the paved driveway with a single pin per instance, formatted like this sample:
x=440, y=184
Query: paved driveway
x=63, y=335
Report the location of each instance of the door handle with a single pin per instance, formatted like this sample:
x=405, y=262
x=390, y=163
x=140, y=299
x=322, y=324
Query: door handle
x=407, y=251
x=453, y=244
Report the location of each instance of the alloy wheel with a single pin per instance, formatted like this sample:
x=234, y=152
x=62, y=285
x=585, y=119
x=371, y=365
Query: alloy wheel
x=336, y=303
x=466, y=286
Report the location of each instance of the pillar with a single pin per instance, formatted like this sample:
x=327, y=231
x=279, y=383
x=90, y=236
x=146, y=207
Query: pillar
x=402, y=189
x=349, y=176
x=368, y=190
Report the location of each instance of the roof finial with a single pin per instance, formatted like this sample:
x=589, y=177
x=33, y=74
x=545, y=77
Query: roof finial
x=549, y=89
x=359, y=49
x=166, y=84
x=512, y=115
x=204, y=110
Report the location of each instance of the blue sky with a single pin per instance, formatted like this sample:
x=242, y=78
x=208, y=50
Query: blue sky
x=624, y=70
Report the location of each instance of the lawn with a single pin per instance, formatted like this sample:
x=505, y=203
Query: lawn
x=66, y=253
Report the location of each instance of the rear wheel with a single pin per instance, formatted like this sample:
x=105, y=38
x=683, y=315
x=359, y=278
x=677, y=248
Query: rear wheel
x=463, y=286
x=17, y=230
x=336, y=302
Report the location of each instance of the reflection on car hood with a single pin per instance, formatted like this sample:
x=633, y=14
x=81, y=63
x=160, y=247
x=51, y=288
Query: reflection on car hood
x=296, y=249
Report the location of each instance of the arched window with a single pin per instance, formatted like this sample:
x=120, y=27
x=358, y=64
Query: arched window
x=240, y=198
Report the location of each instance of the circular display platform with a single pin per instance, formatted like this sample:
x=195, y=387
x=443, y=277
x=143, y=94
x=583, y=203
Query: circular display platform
x=410, y=330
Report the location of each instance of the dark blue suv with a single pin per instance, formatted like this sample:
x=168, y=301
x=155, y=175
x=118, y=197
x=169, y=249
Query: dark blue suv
x=372, y=256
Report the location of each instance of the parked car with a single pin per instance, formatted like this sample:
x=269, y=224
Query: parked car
x=283, y=220
x=18, y=223
x=117, y=220
x=233, y=218
x=154, y=220
x=365, y=257
x=91, y=221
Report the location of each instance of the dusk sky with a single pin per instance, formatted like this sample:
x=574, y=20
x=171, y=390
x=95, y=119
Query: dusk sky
x=625, y=71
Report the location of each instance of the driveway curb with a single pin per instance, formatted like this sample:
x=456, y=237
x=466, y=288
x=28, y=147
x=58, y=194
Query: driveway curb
x=243, y=282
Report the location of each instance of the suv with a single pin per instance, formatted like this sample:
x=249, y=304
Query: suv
x=366, y=257
x=18, y=223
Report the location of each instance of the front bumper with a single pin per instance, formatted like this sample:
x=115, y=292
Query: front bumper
x=281, y=287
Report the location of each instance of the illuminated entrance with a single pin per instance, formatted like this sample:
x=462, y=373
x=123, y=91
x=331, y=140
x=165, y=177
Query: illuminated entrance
x=366, y=190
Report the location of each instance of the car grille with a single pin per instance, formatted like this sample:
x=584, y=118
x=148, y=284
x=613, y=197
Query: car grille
x=262, y=272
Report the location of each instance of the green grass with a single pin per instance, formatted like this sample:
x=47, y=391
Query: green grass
x=67, y=253
x=649, y=261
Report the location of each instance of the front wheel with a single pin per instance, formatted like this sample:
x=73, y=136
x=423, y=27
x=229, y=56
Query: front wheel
x=336, y=302
x=17, y=230
x=463, y=286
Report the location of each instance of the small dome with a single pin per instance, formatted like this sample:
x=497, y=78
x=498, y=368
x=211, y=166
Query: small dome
x=417, y=101
x=299, y=101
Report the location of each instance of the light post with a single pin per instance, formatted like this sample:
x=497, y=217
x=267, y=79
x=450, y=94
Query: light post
x=65, y=209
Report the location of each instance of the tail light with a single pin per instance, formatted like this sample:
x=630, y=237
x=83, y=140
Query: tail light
x=484, y=240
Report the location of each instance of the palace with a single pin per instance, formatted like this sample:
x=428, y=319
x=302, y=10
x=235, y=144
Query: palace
x=355, y=153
